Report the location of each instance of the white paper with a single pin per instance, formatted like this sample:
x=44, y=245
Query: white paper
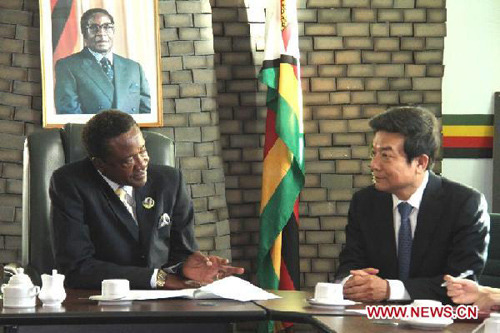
x=233, y=287
x=230, y=287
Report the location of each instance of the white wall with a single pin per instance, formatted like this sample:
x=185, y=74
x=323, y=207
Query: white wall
x=472, y=75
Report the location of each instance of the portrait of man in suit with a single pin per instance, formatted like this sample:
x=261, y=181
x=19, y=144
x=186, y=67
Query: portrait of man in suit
x=96, y=78
x=115, y=215
x=411, y=227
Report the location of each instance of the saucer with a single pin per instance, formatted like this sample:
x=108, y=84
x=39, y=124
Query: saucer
x=19, y=306
x=113, y=300
x=333, y=304
x=428, y=323
x=119, y=302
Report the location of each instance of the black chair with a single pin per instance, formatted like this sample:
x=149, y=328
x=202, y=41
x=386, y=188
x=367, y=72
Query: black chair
x=491, y=273
x=44, y=152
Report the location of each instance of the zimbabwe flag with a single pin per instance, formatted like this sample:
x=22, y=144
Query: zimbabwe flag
x=468, y=135
x=283, y=169
x=64, y=28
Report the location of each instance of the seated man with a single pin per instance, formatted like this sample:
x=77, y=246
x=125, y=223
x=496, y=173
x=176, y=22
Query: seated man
x=116, y=216
x=411, y=227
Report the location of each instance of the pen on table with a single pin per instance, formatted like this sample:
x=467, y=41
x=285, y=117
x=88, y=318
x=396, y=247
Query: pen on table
x=463, y=275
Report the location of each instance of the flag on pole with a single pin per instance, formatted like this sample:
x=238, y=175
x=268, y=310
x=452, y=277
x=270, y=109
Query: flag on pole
x=283, y=169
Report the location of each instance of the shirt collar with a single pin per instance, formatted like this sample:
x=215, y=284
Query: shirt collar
x=99, y=56
x=416, y=198
x=129, y=189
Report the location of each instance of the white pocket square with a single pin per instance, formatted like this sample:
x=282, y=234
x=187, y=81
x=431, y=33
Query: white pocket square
x=164, y=220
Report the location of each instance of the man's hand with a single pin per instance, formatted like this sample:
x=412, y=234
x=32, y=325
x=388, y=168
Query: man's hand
x=365, y=271
x=206, y=269
x=462, y=291
x=175, y=282
x=488, y=301
x=364, y=285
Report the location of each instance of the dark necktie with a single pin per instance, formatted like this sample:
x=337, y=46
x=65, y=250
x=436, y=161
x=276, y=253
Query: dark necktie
x=405, y=240
x=106, y=67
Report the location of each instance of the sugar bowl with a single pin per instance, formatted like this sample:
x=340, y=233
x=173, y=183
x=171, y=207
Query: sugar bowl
x=20, y=291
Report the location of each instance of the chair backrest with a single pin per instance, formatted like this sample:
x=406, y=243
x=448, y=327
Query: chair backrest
x=44, y=152
x=491, y=273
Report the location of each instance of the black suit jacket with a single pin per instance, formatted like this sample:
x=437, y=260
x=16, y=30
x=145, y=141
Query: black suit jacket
x=96, y=238
x=451, y=236
x=82, y=86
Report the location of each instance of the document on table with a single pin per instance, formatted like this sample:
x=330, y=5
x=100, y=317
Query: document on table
x=230, y=287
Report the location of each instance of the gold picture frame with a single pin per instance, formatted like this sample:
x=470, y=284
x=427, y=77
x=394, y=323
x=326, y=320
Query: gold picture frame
x=74, y=84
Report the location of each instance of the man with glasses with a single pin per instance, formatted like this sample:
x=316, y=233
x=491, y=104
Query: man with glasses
x=95, y=78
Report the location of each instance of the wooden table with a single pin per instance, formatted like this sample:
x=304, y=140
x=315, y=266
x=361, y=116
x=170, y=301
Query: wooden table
x=79, y=314
x=293, y=306
x=77, y=309
x=362, y=324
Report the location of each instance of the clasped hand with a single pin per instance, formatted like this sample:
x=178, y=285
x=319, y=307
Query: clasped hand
x=364, y=285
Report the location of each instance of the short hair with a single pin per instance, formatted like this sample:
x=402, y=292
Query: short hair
x=103, y=127
x=418, y=126
x=84, y=20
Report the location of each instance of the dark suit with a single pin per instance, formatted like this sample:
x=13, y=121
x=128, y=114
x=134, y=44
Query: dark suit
x=83, y=87
x=451, y=236
x=96, y=238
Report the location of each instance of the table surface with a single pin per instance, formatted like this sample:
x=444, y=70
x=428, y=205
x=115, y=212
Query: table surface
x=362, y=324
x=294, y=306
x=77, y=306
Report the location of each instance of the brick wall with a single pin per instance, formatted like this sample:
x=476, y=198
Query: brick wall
x=358, y=57
x=190, y=113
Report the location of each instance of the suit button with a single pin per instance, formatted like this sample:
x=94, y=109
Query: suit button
x=133, y=109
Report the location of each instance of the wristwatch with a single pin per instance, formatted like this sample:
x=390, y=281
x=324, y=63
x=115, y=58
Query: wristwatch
x=161, y=278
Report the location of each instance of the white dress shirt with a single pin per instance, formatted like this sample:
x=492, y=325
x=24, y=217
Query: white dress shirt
x=99, y=56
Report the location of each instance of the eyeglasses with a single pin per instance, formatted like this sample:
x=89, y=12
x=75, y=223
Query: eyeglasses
x=106, y=27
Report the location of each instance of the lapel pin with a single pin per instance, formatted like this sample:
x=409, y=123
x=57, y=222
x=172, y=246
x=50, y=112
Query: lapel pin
x=148, y=203
x=164, y=220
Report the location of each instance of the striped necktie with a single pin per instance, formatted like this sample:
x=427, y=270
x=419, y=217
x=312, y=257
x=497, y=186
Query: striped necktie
x=122, y=194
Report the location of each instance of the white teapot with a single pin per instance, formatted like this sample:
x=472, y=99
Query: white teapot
x=52, y=293
x=20, y=291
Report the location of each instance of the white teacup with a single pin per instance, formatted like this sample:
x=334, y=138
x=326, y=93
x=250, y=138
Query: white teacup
x=328, y=292
x=115, y=288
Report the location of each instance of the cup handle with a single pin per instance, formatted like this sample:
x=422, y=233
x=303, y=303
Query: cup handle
x=2, y=287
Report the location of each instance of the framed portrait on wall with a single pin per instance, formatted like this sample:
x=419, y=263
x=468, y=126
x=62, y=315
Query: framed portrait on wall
x=98, y=55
